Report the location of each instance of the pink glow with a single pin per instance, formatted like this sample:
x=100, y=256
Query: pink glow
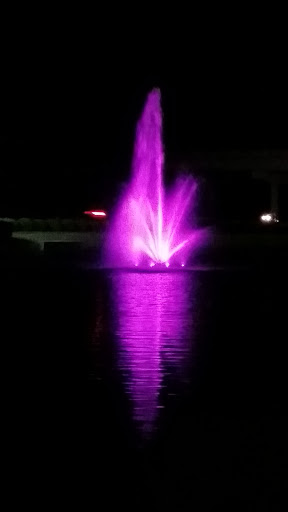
x=154, y=327
x=97, y=213
x=151, y=223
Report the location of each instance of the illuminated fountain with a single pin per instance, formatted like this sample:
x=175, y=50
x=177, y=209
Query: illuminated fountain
x=150, y=225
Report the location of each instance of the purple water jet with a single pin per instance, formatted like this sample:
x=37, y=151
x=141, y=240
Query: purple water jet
x=150, y=225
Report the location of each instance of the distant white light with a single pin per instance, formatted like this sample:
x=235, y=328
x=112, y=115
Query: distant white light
x=167, y=264
x=182, y=264
x=268, y=217
x=152, y=264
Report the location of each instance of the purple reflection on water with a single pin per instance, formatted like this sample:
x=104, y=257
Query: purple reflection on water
x=154, y=327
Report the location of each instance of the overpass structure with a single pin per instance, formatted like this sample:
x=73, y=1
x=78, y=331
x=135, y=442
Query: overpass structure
x=268, y=165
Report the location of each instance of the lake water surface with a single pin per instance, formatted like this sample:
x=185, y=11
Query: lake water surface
x=164, y=388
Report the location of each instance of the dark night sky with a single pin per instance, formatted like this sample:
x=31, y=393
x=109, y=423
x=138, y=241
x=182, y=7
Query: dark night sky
x=69, y=111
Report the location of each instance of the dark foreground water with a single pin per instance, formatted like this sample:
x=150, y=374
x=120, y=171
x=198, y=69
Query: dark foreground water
x=145, y=389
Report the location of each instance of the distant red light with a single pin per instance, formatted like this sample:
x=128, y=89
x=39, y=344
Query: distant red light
x=96, y=213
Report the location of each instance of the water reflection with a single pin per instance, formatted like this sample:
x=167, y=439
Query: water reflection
x=154, y=320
